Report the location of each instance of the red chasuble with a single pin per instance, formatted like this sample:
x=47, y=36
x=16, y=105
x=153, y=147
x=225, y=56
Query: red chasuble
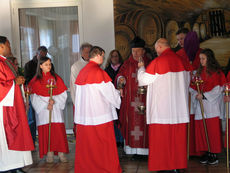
x=15, y=120
x=132, y=124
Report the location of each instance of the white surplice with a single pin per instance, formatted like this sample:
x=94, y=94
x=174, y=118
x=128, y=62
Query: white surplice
x=40, y=104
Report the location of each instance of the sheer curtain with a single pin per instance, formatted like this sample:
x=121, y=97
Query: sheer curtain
x=57, y=29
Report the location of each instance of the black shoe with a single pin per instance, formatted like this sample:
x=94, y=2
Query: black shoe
x=137, y=157
x=204, y=158
x=134, y=157
x=174, y=171
x=170, y=171
x=177, y=171
x=213, y=160
x=17, y=171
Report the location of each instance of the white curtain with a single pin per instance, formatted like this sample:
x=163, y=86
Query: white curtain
x=57, y=29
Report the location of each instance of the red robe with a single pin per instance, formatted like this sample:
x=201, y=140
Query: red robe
x=59, y=142
x=96, y=99
x=228, y=77
x=196, y=62
x=132, y=124
x=167, y=111
x=193, y=66
x=15, y=120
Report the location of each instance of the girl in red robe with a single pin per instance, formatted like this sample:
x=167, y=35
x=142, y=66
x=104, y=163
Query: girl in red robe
x=212, y=99
x=42, y=104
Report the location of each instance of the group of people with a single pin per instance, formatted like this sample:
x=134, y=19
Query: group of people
x=17, y=138
x=205, y=139
x=171, y=106
x=150, y=107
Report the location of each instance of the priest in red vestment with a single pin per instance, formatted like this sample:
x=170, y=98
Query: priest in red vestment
x=15, y=138
x=132, y=121
x=167, y=111
x=96, y=102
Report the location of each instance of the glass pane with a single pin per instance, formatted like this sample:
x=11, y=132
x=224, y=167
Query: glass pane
x=57, y=29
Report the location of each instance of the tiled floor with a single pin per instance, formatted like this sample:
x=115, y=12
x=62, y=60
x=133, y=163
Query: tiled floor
x=128, y=166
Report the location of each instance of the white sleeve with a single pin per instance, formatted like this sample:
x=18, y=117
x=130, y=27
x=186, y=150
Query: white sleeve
x=110, y=94
x=145, y=78
x=72, y=82
x=214, y=93
x=60, y=100
x=39, y=103
x=193, y=98
x=193, y=93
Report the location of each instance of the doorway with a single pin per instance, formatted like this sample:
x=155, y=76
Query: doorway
x=57, y=28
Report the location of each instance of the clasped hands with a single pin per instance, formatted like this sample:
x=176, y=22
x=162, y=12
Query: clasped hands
x=226, y=98
x=50, y=105
x=199, y=96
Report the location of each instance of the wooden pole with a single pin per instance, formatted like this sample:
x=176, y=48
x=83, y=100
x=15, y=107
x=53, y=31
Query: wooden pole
x=203, y=118
x=188, y=140
x=227, y=133
x=50, y=116
x=27, y=102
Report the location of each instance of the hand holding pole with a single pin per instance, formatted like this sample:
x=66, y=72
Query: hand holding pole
x=199, y=81
x=27, y=94
x=51, y=84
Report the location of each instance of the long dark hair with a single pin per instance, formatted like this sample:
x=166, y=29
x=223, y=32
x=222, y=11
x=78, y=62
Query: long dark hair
x=39, y=70
x=212, y=63
x=110, y=56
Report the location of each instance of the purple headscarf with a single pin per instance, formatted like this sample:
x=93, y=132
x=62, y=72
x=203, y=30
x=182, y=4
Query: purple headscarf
x=191, y=45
